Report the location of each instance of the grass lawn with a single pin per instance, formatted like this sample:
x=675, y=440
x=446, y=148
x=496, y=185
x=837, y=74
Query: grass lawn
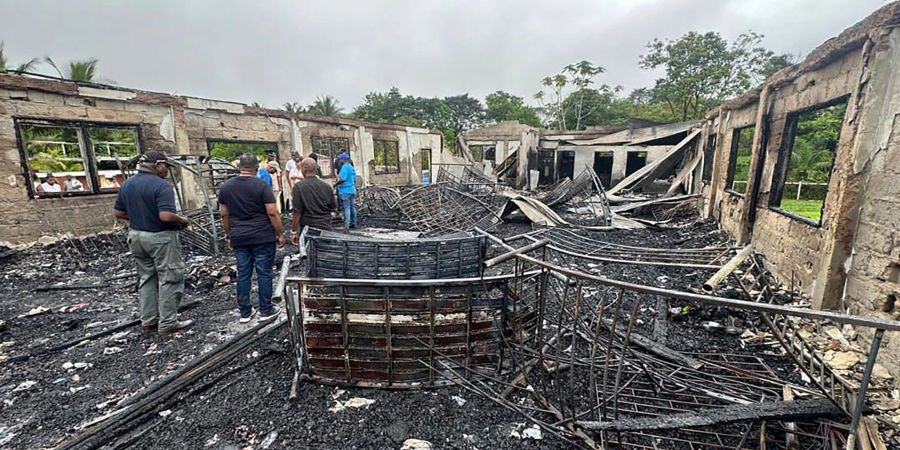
x=806, y=208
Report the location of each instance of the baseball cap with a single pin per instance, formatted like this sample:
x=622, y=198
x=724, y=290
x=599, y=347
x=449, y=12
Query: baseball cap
x=344, y=156
x=154, y=156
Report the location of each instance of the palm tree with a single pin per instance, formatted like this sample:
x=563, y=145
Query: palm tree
x=325, y=106
x=24, y=67
x=293, y=107
x=83, y=70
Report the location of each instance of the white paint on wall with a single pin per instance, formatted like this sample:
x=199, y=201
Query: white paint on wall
x=111, y=94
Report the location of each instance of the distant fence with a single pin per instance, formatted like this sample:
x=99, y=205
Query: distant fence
x=797, y=190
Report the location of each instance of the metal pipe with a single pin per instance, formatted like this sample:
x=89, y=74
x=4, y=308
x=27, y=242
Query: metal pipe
x=509, y=255
x=870, y=322
x=863, y=387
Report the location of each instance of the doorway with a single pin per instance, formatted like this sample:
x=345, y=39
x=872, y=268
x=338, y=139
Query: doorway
x=545, y=166
x=603, y=163
x=425, y=154
x=567, y=164
x=635, y=161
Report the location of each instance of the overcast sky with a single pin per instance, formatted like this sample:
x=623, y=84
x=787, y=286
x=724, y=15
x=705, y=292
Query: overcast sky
x=273, y=51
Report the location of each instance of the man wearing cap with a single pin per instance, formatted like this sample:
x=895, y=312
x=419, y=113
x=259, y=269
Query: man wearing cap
x=346, y=190
x=147, y=202
x=254, y=228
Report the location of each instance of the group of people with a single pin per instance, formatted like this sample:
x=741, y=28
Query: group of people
x=251, y=219
x=51, y=185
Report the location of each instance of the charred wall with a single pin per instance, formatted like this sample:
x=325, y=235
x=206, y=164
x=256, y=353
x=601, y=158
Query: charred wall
x=848, y=259
x=177, y=125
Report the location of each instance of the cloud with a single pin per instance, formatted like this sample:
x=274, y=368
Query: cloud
x=275, y=51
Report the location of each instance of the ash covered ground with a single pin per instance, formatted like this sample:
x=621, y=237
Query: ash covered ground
x=48, y=397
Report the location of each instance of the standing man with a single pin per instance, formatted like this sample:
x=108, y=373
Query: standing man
x=339, y=161
x=51, y=185
x=73, y=185
x=275, y=172
x=253, y=227
x=147, y=202
x=346, y=189
x=313, y=201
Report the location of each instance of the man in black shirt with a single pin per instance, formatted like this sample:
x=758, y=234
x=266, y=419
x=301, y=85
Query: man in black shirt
x=253, y=226
x=313, y=201
x=147, y=202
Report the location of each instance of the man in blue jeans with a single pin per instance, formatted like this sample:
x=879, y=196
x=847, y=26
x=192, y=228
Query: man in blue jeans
x=253, y=227
x=346, y=190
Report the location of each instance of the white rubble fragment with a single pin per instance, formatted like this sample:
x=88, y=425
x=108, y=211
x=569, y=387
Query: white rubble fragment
x=269, y=440
x=120, y=337
x=165, y=413
x=532, y=432
x=459, y=400
x=25, y=385
x=212, y=441
x=881, y=373
x=711, y=325
x=355, y=402
x=78, y=388
x=841, y=360
x=416, y=444
x=35, y=311
x=111, y=350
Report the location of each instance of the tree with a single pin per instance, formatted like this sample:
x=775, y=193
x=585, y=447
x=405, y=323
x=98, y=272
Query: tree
x=82, y=70
x=325, y=106
x=704, y=69
x=24, y=67
x=504, y=106
x=573, y=81
x=775, y=63
x=464, y=112
x=293, y=107
x=451, y=114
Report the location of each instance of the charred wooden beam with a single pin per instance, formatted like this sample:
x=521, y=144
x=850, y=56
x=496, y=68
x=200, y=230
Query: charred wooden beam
x=780, y=410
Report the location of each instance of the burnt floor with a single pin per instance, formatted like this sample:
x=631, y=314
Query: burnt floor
x=47, y=397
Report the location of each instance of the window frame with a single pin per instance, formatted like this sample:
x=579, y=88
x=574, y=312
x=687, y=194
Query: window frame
x=396, y=149
x=732, y=160
x=709, y=156
x=89, y=157
x=332, y=155
x=783, y=162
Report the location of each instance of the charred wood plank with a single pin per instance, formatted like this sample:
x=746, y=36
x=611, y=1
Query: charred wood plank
x=780, y=410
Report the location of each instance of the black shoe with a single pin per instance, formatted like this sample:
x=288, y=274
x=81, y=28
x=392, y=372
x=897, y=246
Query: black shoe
x=150, y=328
x=271, y=314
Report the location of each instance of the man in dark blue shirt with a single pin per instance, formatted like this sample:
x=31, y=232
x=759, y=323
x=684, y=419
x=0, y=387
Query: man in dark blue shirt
x=147, y=202
x=254, y=227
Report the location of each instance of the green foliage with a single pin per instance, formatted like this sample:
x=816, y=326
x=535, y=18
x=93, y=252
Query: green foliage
x=325, y=106
x=566, y=97
x=293, y=107
x=27, y=66
x=84, y=70
x=704, y=69
x=743, y=153
x=811, y=209
x=504, y=106
x=596, y=107
x=228, y=150
x=815, y=142
x=451, y=115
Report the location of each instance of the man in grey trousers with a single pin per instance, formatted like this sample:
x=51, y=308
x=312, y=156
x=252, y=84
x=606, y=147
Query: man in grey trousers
x=147, y=202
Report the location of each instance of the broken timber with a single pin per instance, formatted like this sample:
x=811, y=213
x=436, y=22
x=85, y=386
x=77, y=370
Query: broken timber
x=780, y=410
x=667, y=161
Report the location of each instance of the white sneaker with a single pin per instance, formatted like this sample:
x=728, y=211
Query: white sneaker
x=249, y=317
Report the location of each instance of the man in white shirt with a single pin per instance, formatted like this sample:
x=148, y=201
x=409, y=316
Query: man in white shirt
x=50, y=185
x=73, y=185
